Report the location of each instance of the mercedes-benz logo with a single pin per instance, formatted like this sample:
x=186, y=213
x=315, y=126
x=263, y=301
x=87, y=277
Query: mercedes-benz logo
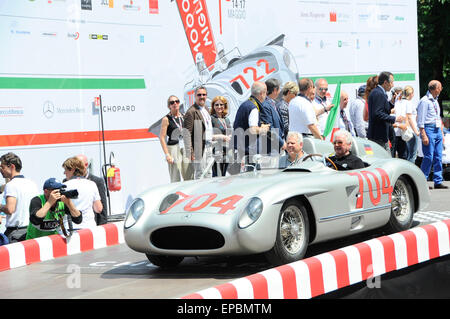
x=48, y=109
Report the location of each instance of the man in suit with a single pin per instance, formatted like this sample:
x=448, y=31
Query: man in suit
x=380, y=118
x=269, y=115
x=101, y=218
x=197, y=122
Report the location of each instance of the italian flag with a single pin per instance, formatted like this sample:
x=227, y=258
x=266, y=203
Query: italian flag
x=332, y=120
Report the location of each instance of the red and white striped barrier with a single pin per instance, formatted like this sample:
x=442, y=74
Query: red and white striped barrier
x=343, y=267
x=54, y=246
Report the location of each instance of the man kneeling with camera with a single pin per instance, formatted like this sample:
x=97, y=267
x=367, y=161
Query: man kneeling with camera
x=47, y=209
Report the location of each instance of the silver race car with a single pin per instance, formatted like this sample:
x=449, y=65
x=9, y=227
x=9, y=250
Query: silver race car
x=276, y=211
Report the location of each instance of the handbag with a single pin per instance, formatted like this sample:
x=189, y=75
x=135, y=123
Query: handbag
x=407, y=134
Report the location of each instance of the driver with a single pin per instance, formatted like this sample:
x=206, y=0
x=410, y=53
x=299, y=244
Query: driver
x=343, y=158
x=294, y=149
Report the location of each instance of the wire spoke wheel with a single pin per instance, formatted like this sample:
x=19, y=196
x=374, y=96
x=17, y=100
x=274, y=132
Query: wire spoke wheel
x=401, y=203
x=292, y=229
x=292, y=236
x=402, y=206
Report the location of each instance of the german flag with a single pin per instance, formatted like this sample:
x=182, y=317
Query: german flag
x=368, y=149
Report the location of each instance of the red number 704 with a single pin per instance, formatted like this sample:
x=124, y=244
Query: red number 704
x=385, y=186
x=195, y=203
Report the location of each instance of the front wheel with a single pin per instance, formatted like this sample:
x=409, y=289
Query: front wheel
x=402, y=207
x=292, y=234
x=164, y=261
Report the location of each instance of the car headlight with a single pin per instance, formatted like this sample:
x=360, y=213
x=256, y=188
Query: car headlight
x=168, y=201
x=134, y=212
x=251, y=212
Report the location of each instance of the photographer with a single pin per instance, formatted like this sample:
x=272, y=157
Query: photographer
x=88, y=201
x=44, y=210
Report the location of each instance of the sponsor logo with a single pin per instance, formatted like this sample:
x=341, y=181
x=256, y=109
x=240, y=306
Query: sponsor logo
x=98, y=36
x=118, y=108
x=153, y=6
x=131, y=6
x=11, y=111
x=74, y=35
x=107, y=3
x=49, y=34
x=333, y=17
x=49, y=109
x=86, y=4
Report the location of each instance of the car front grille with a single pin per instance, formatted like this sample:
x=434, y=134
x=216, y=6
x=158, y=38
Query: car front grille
x=187, y=238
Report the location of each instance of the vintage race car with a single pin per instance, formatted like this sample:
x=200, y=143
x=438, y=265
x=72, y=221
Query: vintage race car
x=279, y=212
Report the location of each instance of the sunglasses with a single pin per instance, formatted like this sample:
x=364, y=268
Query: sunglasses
x=174, y=101
x=201, y=94
x=323, y=89
x=219, y=104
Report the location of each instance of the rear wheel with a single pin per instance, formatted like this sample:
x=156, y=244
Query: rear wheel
x=292, y=234
x=402, y=207
x=165, y=261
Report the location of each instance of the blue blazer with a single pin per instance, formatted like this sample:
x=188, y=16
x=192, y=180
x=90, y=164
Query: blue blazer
x=380, y=118
x=269, y=115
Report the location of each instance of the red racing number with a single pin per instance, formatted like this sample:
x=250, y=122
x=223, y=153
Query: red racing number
x=256, y=75
x=196, y=203
x=382, y=187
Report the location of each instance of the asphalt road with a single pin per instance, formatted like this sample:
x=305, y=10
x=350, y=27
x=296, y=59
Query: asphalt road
x=118, y=272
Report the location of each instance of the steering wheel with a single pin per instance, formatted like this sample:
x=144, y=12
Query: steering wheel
x=324, y=159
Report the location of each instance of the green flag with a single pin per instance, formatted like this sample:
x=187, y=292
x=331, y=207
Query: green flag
x=334, y=112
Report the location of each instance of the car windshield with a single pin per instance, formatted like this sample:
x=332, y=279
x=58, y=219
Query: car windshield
x=267, y=162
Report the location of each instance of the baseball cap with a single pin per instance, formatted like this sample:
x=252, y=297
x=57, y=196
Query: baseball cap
x=361, y=89
x=53, y=183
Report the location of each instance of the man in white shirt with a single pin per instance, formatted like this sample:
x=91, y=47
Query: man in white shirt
x=355, y=110
x=17, y=194
x=302, y=115
x=321, y=103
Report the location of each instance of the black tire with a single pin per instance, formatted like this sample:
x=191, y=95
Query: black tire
x=292, y=224
x=402, y=209
x=165, y=261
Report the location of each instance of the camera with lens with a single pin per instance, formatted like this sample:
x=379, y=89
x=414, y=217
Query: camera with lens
x=71, y=193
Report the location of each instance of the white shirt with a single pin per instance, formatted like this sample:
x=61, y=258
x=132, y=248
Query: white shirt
x=87, y=194
x=322, y=118
x=301, y=114
x=208, y=124
x=23, y=190
x=411, y=109
x=400, y=109
x=355, y=110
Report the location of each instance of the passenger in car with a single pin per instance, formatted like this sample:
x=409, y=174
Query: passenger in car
x=294, y=150
x=343, y=158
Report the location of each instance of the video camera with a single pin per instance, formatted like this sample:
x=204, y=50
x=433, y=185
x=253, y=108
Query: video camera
x=71, y=193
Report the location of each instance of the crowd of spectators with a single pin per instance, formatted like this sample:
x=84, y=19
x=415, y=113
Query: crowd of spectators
x=214, y=145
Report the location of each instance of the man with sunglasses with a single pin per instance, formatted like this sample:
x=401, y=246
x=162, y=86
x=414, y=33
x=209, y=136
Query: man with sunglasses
x=321, y=103
x=343, y=157
x=197, y=122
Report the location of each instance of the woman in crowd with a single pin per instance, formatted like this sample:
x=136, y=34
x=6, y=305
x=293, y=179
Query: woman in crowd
x=222, y=133
x=399, y=145
x=88, y=201
x=289, y=91
x=411, y=113
x=173, y=148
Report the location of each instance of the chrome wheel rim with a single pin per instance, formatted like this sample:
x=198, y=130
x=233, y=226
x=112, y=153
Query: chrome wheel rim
x=401, y=204
x=292, y=229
